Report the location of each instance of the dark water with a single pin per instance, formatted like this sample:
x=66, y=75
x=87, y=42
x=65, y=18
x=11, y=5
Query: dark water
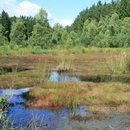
x=4, y=70
x=45, y=119
x=64, y=77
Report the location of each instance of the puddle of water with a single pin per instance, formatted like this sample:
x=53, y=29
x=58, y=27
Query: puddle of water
x=62, y=77
x=97, y=79
x=46, y=119
x=14, y=96
x=4, y=70
x=53, y=119
x=14, y=92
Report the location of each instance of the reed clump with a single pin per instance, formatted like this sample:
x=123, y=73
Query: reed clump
x=119, y=64
x=65, y=64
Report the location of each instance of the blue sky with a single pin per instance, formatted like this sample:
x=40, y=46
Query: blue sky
x=62, y=11
x=66, y=8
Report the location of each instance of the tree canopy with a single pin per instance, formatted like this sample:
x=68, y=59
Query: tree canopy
x=101, y=25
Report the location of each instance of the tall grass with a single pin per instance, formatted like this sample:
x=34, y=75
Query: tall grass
x=65, y=63
x=81, y=49
x=5, y=122
x=72, y=94
x=4, y=106
x=13, y=50
x=16, y=50
x=119, y=64
x=42, y=72
x=73, y=101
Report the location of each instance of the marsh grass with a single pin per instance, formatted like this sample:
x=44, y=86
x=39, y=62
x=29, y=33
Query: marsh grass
x=125, y=108
x=13, y=69
x=72, y=94
x=33, y=124
x=42, y=72
x=14, y=50
x=82, y=50
x=73, y=102
x=3, y=71
x=5, y=122
x=65, y=63
x=55, y=95
x=5, y=101
x=118, y=64
x=4, y=108
x=86, y=118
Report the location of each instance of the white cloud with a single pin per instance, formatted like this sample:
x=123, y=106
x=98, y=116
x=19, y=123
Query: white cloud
x=49, y=15
x=24, y=8
x=65, y=22
x=8, y=5
x=27, y=8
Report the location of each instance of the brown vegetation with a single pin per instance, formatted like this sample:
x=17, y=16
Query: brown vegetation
x=73, y=94
x=46, y=94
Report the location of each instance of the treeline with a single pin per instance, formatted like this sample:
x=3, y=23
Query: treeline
x=102, y=25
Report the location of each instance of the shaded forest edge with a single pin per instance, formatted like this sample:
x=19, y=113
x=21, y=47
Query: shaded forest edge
x=102, y=25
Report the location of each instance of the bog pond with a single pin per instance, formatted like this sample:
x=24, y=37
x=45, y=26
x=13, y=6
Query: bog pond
x=47, y=119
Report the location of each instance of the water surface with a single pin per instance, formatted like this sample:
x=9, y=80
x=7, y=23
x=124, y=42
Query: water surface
x=45, y=119
x=62, y=77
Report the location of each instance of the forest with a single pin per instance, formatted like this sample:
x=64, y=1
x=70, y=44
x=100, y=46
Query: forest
x=101, y=25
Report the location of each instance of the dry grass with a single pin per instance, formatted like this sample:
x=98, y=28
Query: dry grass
x=69, y=94
x=84, y=65
x=55, y=95
x=125, y=108
x=86, y=118
x=100, y=110
x=119, y=64
x=39, y=72
x=73, y=94
x=65, y=63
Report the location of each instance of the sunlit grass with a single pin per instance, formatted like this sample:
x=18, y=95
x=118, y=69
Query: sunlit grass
x=119, y=64
x=46, y=94
x=9, y=50
x=72, y=94
x=65, y=64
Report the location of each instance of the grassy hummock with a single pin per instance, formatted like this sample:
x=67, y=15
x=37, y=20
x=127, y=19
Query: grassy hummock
x=73, y=94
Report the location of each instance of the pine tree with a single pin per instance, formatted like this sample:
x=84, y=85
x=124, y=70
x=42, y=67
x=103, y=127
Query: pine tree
x=2, y=38
x=29, y=24
x=6, y=23
x=124, y=10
